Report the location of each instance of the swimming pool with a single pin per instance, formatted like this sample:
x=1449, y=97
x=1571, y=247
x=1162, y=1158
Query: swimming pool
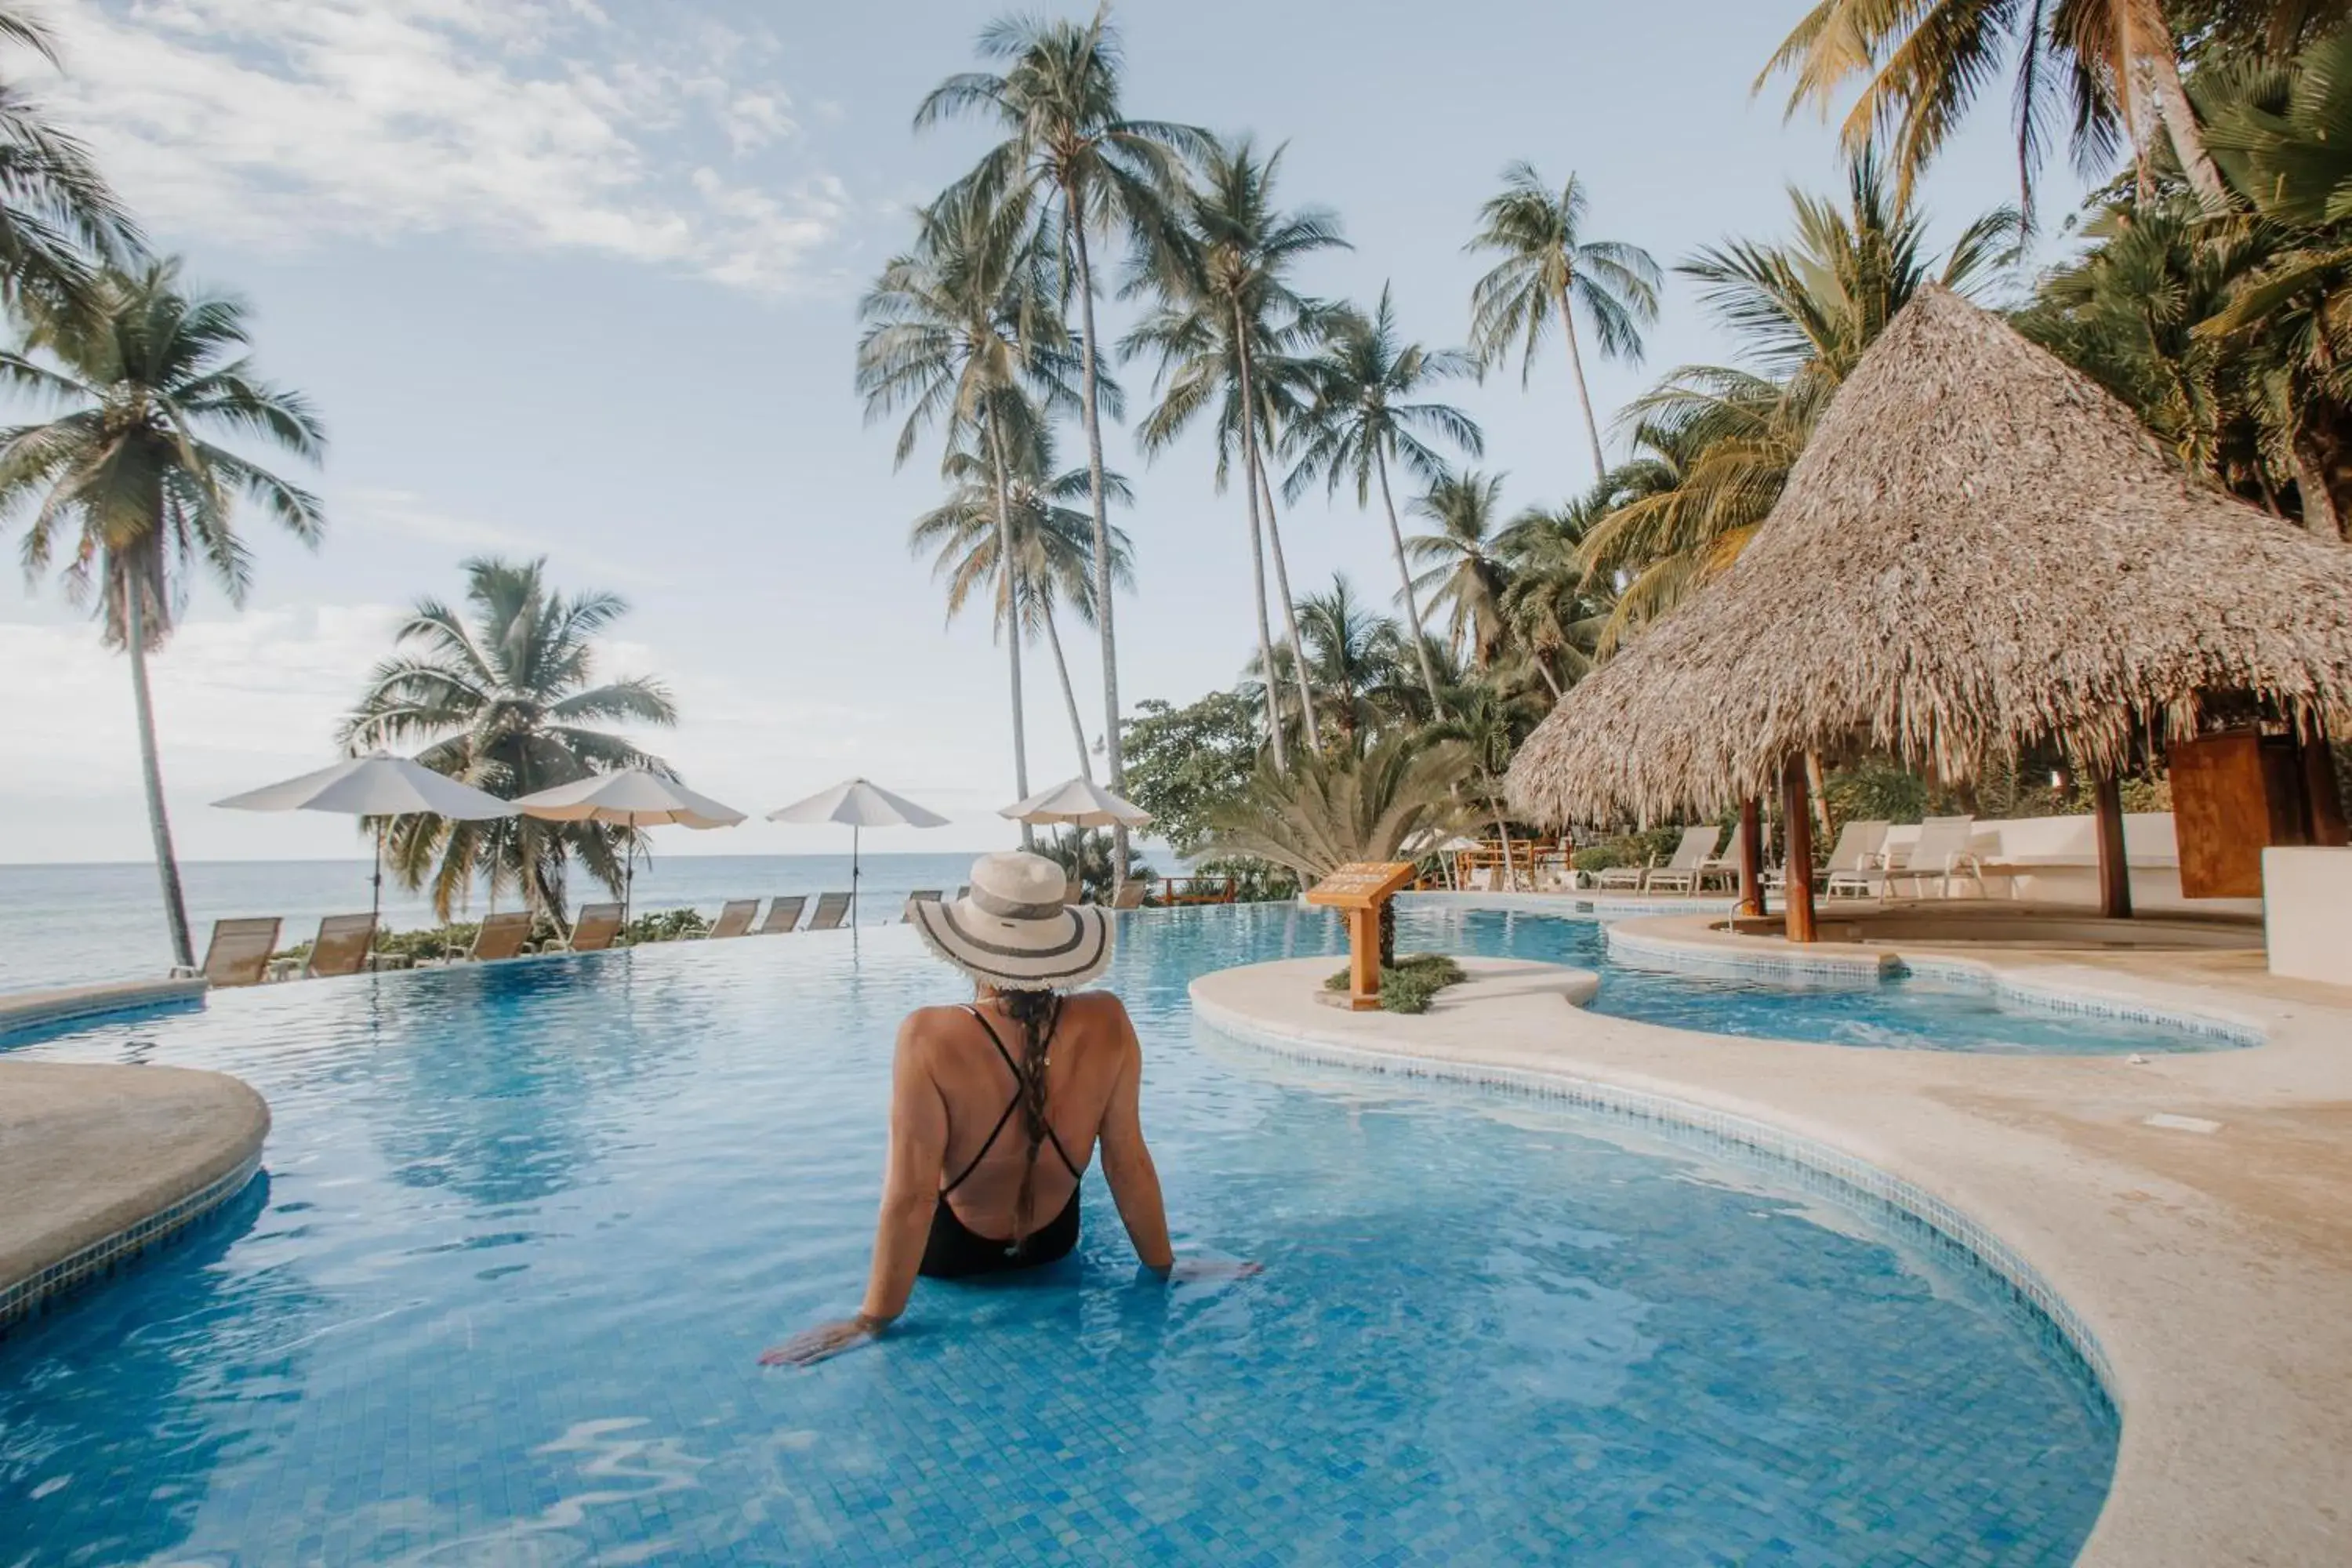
x=526, y=1226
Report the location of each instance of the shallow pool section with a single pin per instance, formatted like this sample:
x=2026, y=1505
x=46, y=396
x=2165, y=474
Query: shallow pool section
x=1902, y=1011
x=526, y=1228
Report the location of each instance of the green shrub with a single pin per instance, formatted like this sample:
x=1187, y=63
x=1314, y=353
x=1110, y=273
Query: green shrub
x=1409, y=987
x=663, y=925
x=1627, y=849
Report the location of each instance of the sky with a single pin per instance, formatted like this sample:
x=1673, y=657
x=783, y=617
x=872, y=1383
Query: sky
x=580, y=280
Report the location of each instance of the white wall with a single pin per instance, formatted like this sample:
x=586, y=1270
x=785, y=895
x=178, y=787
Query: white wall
x=2308, y=920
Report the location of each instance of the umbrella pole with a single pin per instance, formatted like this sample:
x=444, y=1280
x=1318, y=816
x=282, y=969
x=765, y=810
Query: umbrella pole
x=853, y=881
x=375, y=884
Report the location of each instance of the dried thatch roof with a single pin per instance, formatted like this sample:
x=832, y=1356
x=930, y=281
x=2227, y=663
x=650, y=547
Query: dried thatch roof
x=1980, y=548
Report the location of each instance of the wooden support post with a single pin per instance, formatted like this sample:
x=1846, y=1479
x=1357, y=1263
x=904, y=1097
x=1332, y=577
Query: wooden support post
x=1363, y=959
x=2115, y=871
x=1797, y=823
x=2324, y=803
x=1751, y=857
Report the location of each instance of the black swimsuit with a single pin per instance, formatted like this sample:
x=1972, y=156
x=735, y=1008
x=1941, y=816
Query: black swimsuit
x=954, y=1250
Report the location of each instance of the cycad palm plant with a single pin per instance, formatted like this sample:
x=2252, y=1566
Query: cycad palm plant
x=1549, y=271
x=964, y=331
x=505, y=698
x=1055, y=543
x=1225, y=330
x=130, y=486
x=1071, y=154
x=1465, y=574
x=1364, y=417
x=1349, y=806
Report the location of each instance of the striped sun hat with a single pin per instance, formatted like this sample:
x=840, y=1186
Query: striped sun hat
x=1013, y=931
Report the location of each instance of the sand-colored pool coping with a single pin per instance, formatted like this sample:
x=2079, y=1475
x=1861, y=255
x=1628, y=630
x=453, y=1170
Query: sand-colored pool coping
x=2208, y=1253
x=100, y=1162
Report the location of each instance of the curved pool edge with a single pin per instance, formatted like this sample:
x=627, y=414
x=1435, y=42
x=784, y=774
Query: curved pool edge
x=2229, y=1363
x=101, y=1164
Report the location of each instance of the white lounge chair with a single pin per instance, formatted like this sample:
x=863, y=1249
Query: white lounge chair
x=1857, y=866
x=1941, y=852
x=1628, y=877
x=734, y=918
x=783, y=914
x=1681, y=873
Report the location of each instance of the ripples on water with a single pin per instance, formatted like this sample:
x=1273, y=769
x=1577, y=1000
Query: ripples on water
x=526, y=1227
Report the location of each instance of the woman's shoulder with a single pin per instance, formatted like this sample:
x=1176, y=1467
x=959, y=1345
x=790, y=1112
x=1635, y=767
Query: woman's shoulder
x=1097, y=1009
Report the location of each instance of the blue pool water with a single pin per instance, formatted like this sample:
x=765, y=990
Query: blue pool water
x=526, y=1227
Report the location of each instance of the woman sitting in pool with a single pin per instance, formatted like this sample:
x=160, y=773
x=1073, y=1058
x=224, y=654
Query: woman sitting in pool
x=996, y=1107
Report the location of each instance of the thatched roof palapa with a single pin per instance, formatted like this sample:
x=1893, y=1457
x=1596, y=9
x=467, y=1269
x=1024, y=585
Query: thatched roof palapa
x=1978, y=549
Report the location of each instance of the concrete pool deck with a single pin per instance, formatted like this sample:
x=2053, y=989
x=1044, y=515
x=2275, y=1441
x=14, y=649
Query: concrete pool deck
x=98, y=1164
x=2193, y=1210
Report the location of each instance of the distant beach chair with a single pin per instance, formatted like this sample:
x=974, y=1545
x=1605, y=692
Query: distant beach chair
x=919, y=896
x=829, y=909
x=734, y=918
x=963, y=892
x=595, y=929
x=1941, y=851
x=500, y=936
x=1128, y=897
x=238, y=954
x=342, y=946
x=783, y=914
x=1073, y=890
x=1691, y=855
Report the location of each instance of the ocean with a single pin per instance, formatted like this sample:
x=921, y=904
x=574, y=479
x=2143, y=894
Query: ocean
x=73, y=925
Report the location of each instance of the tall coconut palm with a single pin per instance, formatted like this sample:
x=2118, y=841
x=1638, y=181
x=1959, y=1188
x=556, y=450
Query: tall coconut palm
x=1547, y=271
x=1361, y=420
x=505, y=698
x=129, y=484
x=1352, y=652
x=1091, y=170
x=2109, y=68
x=1055, y=541
x=1487, y=727
x=964, y=331
x=1465, y=574
x=1224, y=314
x=1554, y=608
x=57, y=217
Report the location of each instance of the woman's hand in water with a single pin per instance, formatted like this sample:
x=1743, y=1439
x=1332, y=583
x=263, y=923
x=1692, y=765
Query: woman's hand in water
x=1209, y=1270
x=812, y=1345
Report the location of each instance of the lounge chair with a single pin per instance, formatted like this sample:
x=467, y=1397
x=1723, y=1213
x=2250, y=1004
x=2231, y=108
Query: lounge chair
x=1681, y=873
x=238, y=954
x=1941, y=851
x=919, y=896
x=1858, y=865
x=783, y=914
x=963, y=892
x=500, y=936
x=829, y=909
x=734, y=918
x=595, y=929
x=1128, y=897
x=1628, y=877
x=342, y=946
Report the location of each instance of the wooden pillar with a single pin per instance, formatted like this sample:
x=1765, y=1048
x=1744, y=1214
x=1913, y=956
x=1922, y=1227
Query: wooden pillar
x=1364, y=959
x=1797, y=823
x=2324, y=803
x=1751, y=857
x=2114, y=872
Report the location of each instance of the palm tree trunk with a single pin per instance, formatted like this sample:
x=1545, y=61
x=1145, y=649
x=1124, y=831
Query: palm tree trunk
x=2311, y=486
x=1255, y=462
x=1405, y=575
x=1069, y=696
x=1272, y=677
x=1510, y=872
x=1073, y=214
x=159, y=824
x=1583, y=392
x=1008, y=576
x=1549, y=679
x=2160, y=68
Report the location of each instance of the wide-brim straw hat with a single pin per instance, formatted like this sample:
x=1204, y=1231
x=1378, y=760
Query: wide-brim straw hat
x=1013, y=931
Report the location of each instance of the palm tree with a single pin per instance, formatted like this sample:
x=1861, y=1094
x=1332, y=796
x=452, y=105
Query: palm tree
x=964, y=330
x=1467, y=574
x=1548, y=269
x=1057, y=547
x=128, y=486
x=1225, y=313
x=1487, y=726
x=507, y=699
x=2110, y=68
x=1352, y=652
x=1361, y=419
x=55, y=212
x=1067, y=144
x=1553, y=608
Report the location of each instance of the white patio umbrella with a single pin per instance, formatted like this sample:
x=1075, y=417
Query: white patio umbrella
x=862, y=805
x=1081, y=803
x=632, y=798
x=379, y=785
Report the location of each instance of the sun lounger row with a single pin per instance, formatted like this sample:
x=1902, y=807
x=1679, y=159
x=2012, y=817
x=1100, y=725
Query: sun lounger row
x=1689, y=870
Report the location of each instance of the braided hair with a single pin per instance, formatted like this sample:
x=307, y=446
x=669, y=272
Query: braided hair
x=1038, y=1013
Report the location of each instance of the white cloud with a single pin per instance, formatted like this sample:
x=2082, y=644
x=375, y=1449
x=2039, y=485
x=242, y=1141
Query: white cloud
x=279, y=122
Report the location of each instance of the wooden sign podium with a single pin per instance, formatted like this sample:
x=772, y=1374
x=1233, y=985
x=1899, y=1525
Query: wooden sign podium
x=1360, y=888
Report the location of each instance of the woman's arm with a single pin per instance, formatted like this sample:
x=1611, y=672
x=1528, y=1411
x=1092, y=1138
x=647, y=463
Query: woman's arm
x=911, y=1189
x=1126, y=1162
